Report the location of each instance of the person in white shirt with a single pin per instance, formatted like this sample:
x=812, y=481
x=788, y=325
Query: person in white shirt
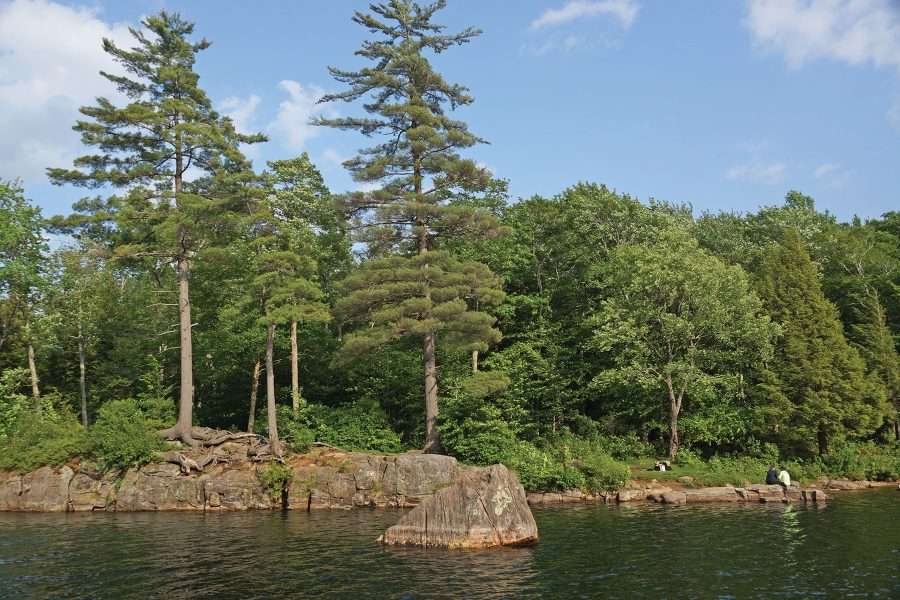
x=784, y=478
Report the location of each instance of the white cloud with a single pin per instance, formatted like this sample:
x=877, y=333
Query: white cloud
x=832, y=174
x=331, y=155
x=854, y=32
x=50, y=58
x=756, y=172
x=826, y=169
x=893, y=114
x=242, y=111
x=291, y=125
x=625, y=11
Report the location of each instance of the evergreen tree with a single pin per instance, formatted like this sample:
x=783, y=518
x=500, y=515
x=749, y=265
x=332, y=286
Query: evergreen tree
x=147, y=147
x=871, y=335
x=420, y=291
x=820, y=373
x=310, y=226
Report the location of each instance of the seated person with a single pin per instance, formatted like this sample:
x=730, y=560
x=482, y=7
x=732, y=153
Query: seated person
x=772, y=475
x=784, y=478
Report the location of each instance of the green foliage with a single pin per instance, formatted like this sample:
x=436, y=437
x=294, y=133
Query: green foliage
x=122, y=437
x=476, y=434
x=827, y=396
x=13, y=403
x=358, y=426
x=39, y=440
x=294, y=431
x=543, y=470
x=602, y=472
x=276, y=478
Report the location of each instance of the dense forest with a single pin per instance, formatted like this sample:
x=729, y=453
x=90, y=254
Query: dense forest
x=558, y=335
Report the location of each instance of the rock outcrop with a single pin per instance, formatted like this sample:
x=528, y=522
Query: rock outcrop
x=320, y=479
x=484, y=507
x=665, y=495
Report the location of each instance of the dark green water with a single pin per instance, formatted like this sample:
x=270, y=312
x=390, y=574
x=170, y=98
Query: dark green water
x=851, y=548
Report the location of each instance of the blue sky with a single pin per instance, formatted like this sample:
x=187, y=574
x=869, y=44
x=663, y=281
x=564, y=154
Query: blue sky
x=722, y=105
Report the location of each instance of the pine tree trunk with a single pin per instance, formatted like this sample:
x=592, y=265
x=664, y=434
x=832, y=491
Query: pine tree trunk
x=82, y=377
x=474, y=361
x=295, y=374
x=254, y=387
x=897, y=429
x=182, y=428
x=822, y=438
x=432, y=437
x=32, y=368
x=270, y=391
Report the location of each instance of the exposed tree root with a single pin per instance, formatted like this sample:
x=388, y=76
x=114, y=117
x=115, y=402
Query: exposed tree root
x=204, y=448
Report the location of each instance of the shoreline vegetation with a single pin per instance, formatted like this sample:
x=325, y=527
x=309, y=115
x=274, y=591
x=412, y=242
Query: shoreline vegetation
x=576, y=339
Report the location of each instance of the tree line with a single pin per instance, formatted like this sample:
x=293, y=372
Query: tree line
x=189, y=276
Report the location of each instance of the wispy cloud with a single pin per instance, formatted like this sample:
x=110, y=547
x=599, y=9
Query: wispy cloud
x=624, y=11
x=242, y=111
x=826, y=169
x=854, y=32
x=832, y=174
x=757, y=172
x=50, y=55
x=292, y=123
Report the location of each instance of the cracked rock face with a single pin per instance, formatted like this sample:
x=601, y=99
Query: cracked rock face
x=484, y=507
x=330, y=479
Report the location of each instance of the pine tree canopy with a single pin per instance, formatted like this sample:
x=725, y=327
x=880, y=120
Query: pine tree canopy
x=417, y=165
x=389, y=298
x=166, y=129
x=820, y=372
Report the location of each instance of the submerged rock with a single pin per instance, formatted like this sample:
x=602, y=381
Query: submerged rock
x=484, y=507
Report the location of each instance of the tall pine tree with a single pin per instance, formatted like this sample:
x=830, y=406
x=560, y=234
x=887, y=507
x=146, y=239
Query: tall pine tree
x=418, y=291
x=147, y=147
x=820, y=373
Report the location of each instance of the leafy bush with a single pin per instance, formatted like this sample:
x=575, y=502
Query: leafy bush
x=275, y=477
x=122, y=437
x=294, y=431
x=358, y=426
x=602, y=472
x=39, y=440
x=481, y=437
x=12, y=402
x=540, y=470
x=863, y=461
x=154, y=399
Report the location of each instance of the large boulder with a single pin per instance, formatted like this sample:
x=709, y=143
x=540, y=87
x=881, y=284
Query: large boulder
x=483, y=508
x=336, y=479
x=846, y=484
x=43, y=490
x=712, y=494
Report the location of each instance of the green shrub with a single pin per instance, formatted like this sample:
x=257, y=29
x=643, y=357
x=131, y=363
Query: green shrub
x=39, y=440
x=541, y=470
x=481, y=437
x=358, y=426
x=275, y=477
x=294, y=431
x=12, y=402
x=602, y=473
x=122, y=437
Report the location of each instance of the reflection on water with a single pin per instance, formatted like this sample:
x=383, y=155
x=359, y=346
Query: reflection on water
x=647, y=551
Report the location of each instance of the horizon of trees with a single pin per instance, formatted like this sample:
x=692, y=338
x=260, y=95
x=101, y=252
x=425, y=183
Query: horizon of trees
x=433, y=304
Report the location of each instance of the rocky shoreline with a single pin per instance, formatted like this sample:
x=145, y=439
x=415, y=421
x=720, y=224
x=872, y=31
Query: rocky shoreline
x=325, y=479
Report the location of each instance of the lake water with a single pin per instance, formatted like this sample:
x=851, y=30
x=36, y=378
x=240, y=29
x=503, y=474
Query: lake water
x=849, y=548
